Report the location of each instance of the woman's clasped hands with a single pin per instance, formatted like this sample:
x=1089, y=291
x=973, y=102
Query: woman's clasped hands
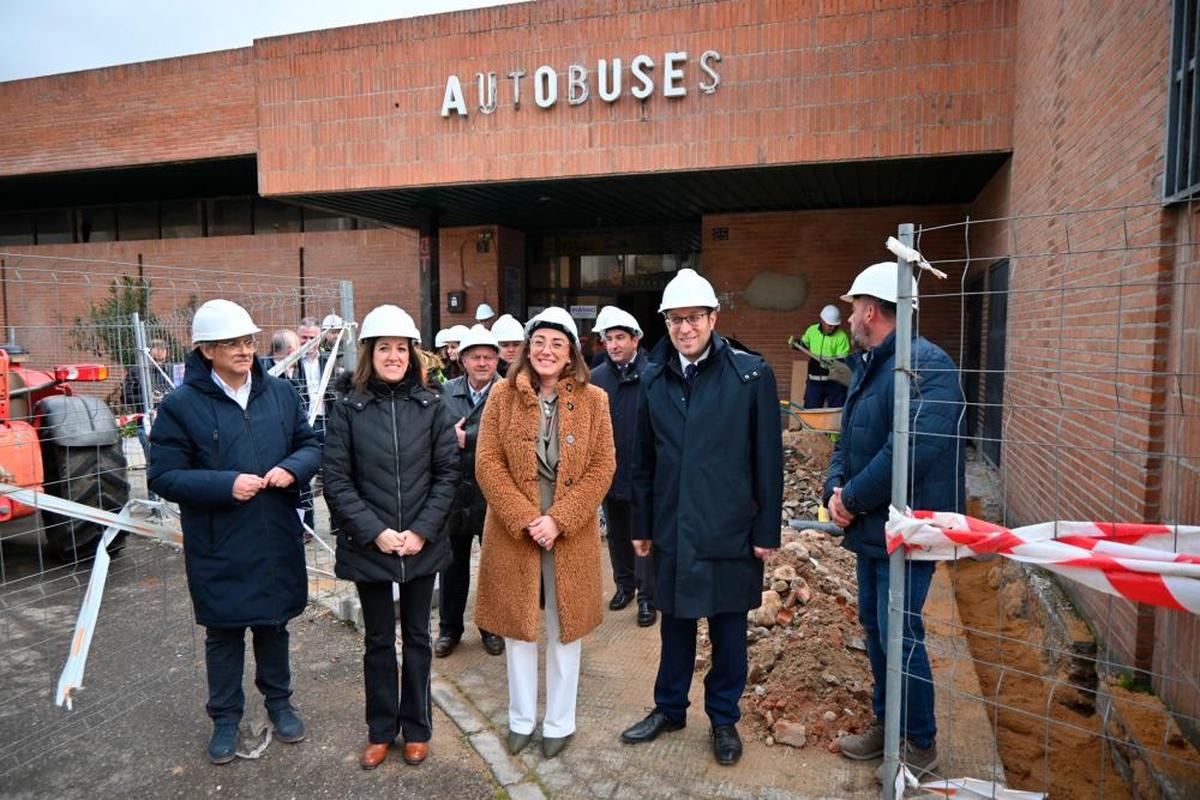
x=401, y=543
x=543, y=530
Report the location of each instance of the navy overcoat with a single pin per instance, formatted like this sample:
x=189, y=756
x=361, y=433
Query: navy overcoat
x=708, y=478
x=244, y=560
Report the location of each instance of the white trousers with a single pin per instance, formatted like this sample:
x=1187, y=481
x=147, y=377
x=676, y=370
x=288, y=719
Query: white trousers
x=562, y=672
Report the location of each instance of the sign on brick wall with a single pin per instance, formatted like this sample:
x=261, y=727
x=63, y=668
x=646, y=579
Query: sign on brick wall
x=609, y=81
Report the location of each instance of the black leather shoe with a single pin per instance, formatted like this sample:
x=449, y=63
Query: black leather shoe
x=648, y=729
x=493, y=644
x=647, y=615
x=444, y=646
x=727, y=745
x=619, y=600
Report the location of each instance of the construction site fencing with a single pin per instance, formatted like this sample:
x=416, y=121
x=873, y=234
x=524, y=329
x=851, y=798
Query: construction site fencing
x=1065, y=658
x=61, y=312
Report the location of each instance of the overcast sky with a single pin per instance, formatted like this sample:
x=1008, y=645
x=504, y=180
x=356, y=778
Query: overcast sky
x=44, y=37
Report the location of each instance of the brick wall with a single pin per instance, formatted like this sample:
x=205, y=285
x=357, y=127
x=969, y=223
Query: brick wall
x=1177, y=636
x=359, y=107
x=46, y=288
x=464, y=268
x=828, y=248
x=175, y=109
x=1092, y=293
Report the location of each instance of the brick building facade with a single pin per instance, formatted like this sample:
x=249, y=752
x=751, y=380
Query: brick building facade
x=829, y=124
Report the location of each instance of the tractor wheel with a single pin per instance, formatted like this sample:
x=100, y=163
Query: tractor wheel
x=94, y=476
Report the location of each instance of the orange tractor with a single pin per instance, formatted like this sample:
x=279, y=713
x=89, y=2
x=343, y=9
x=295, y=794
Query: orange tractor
x=65, y=444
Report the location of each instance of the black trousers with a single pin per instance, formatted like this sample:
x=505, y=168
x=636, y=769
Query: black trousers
x=225, y=659
x=454, y=582
x=726, y=678
x=630, y=570
x=397, y=703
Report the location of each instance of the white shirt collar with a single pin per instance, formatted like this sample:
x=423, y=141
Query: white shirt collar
x=683, y=360
x=241, y=396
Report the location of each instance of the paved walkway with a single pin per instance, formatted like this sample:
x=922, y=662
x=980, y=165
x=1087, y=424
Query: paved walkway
x=616, y=689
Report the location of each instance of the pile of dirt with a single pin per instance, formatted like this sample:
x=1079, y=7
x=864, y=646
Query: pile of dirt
x=1049, y=740
x=809, y=677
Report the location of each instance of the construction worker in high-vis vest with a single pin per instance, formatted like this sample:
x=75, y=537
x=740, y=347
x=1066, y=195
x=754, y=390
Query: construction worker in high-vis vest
x=826, y=340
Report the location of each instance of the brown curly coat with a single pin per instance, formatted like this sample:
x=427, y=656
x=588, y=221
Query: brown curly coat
x=506, y=469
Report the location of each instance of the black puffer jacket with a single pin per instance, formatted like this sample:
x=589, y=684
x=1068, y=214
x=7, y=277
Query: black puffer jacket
x=391, y=460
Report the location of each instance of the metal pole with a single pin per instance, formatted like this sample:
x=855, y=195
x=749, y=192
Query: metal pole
x=349, y=347
x=893, y=708
x=145, y=373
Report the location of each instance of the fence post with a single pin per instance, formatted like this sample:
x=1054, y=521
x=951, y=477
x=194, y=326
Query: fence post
x=893, y=708
x=349, y=345
x=144, y=371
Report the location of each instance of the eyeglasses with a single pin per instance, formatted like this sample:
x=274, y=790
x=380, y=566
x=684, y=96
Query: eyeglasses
x=554, y=345
x=691, y=319
x=245, y=343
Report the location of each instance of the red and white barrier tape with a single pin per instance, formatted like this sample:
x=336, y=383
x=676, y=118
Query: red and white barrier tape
x=1154, y=564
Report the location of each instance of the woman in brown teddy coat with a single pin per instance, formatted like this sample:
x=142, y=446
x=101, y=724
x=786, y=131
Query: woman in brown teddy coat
x=544, y=460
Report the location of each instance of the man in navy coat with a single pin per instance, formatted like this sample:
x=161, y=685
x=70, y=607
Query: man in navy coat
x=708, y=484
x=619, y=374
x=858, y=492
x=232, y=447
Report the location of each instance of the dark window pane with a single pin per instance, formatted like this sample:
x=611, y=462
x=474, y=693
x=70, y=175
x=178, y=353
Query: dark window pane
x=315, y=220
x=181, y=219
x=97, y=224
x=139, y=221
x=229, y=217
x=363, y=223
x=54, y=227
x=273, y=217
x=16, y=229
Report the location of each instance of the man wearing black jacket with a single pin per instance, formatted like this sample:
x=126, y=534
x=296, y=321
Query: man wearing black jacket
x=465, y=397
x=619, y=374
x=708, y=485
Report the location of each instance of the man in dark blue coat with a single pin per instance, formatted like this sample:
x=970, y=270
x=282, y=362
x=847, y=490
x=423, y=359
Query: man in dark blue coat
x=619, y=374
x=708, y=487
x=232, y=447
x=858, y=492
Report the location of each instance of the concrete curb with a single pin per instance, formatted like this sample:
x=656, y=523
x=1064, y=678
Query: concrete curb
x=509, y=772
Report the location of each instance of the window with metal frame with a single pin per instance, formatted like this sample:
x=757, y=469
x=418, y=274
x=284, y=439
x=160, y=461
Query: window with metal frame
x=1181, y=180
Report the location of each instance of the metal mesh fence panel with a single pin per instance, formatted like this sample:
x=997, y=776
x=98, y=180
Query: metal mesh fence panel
x=1061, y=664
x=76, y=361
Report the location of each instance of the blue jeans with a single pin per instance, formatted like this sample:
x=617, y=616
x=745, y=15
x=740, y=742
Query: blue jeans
x=916, y=702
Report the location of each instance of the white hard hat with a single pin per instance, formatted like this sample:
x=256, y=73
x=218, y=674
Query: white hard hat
x=879, y=281
x=439, y=338
x=507, y=329
x=332, y=321
x=456, y=333
x=831, y=316
x=388, y=320
x=483, y=311
x=688, y=289
x=554, y=317
x=613, y=317
x=477, y=336
x=218, y=320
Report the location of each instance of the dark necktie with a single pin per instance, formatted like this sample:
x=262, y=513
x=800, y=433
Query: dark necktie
x=689, y=377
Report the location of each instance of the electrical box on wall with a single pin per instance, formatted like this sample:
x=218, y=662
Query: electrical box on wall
x=456, y=302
